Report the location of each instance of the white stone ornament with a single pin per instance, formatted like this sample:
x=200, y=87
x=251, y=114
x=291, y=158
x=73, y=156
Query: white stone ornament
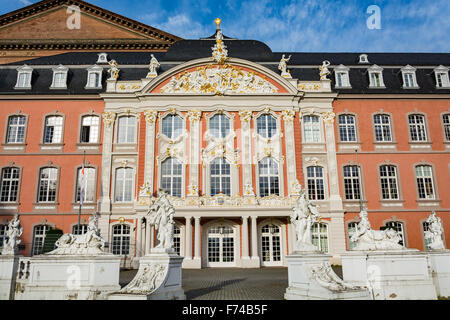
x=371, y=240
x=282, y=66
x=324, y=72
x=434, y=232
x=113, y=70
x=248, y=190
x=219, y=51
x=153, y=66
x=304, y=214
x=296, y=188
x=325, y=276
x=15, y=230
x=147, y=280
x=161, y=214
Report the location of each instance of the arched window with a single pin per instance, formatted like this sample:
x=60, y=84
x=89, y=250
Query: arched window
x=3, y=237
x=219, y=125
x=90, y=127
x=424, y=177
x=389, y=184
x=316, y=189
x=48, y=182
x=266, y=126
x=352, y=188
x=311, y=129
x=382, y=126
x=86, y=182
x=220, y=177
x=417, y=127
x=39, y=234
x=172, y=176
x=121, y=239
x=270, y=243
x=9, y=187
x=172, y=126
x=53, y=129
x=269, y=183
x=347, y=128
x=177, y=239
x=16, y=129
x=319, y=234
x=126, y=131
x=397, y=226
x=124, y=185
x=79, y=229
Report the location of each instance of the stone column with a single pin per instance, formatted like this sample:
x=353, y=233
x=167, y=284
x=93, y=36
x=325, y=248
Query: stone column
x=108, y=132
x=188, y=244
x=147, y=238
x=150, y=118
x=194, y=151
x=246, y=148
x=197, y=263
x=255, y=255
x=245, y=255
x=288, y=116
x=138, y=243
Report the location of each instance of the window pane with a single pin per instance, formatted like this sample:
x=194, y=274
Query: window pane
x=311, y=129
x=16, y=129
x=268, y=177
x=266, y=126
x=172, y=126
x=171, y=177
x=220, y=177
x=127, y=129
x=9, y=185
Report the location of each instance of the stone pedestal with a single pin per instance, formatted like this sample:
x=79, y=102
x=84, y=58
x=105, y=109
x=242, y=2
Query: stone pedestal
x=306, y=284
x=158, y=278
x=72, y=277
x=192, y=263
x=440, y=267
x=8, y=270
x=389, y=275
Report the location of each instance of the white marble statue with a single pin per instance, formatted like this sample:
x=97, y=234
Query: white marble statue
x=434, y=232
x=161, y=214
x=147, y=280
x=325, y=276
x=219, y=51
x=303, y=216
x=89, y=243
x=324, y=72
x=15, y=230
x=153, y=66
x=296, y=188
x=370, y=240
x=282, y=66
x=114, y=70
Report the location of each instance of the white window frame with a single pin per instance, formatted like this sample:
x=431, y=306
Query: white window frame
x=9, y=185
x=346, y=126
x=265, y=129
x=58, y=129
x=421, y=181
x=350, y=180
x=314, y=179
x=42, y=235
x=59, y=70
x=126, y=127
x=342, y=71
x=270, y=233
x=125, y=232
x=373, y=70
x=363, y=58
x=174, y=134
x=409, y=70
x=314, y=129
x=268, y=176
x=26, y=71
x=445, y=81
x=224, y=123
x=95, y=69
x=320, y=236
x=172, y=176
x=94, y=129
x=122, y=192
x=220, y=175
x=415, y=126
x=382, y=126
x=388, y=179
x=3, y=231
x=10, y=126
x=90, y=185
x=446, y=126
x=50, y=180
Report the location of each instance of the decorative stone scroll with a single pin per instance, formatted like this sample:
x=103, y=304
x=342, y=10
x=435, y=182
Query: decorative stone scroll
x=147, y=280
x=324, y=275
x=15, y=230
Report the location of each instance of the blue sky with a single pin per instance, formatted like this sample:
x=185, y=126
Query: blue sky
x=296, y=25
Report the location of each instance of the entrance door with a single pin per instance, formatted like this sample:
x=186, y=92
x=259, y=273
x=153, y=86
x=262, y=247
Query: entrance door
x=270, y=245
x=221, y=247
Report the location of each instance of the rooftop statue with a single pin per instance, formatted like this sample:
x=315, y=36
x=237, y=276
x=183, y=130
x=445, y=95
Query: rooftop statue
x=370, y=240
x=89, y=243
x=220, y=52
x=114, y=70
x=161, y=214
x=434, y=232
x=154, y=65
x=282, y=66
x=15, y=230
x=303, y=216
x=324, y=72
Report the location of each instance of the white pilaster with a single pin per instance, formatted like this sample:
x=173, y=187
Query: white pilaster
x=108, y=125
x=147, y=238
x=288, y=116
x=255, y=263
x=150, y=118
x=194, y=152
x=188, y=245
x=246, y=148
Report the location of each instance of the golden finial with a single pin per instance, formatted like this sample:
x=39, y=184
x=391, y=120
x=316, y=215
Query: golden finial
x=218, y=21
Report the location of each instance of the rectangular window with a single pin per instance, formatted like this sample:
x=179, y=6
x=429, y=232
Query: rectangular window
x=53, y=129
x=24, y=80
x=311, y=129
x=408, y=80
x=9, y=184
x=126, y=130
x=442, y=80
x=347, y=128
x=446, y=121
x=88, y=184
x=90, y=129
x=39, y=238
x=121, y=239
x=389, y=188
x=124, y=185
x=352, y=183
x=316, y=190
x=375, y=79
x=417, y=127
x=48, y=181
x=424, y=176
x=3, y=237
x=382, y=125
x=16, y=129
x=59, y=80
x=268, y=177
x=94, y=80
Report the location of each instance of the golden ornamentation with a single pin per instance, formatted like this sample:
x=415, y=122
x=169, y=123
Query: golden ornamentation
x=194, y=115
x=108, y=118
x=245, y=115
x=328, y=117
x=150, y=116
x=288, y=115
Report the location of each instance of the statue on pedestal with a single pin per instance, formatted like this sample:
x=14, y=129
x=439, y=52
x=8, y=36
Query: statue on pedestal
x=369, y=240
x=161, y=216
x=154, y=65
x=434, y=232
x=303, y=216
x=324, y=72
x=15, y=230
x=282, y=66
x=114, y=70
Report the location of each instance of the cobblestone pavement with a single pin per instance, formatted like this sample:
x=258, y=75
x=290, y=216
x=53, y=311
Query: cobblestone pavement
x=230, y=284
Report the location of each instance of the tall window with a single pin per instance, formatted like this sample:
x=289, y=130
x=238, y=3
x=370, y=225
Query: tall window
x=16, y=129
x=124, y=185
x=220, y=177
x=424, y=176
x=351, y=231
x=389, y=187
x=59, y=79
x=270, y=243
x=172, y=176
x=177, y=240
x=268, y=177
x=89, y=184
x=126, y=132
x=347, y=128
x=121, y=239
x=376, y=79
x=446, y=121
x=79, y=229
x=24, y=74
x=3, y=237
x=319, y=236
x=48, y=182
x=172, y=126
x=397, y=226
x=442, y=80
x=219, y=125
x=94, y=80
x=352, y=183
x=382, y=125
x=10, y=184
x=409, y=80
x=311, y=128
x=53, y=129
x=89, y=129
x=417, y=127
x=38, y=238
x=342, y=79
x=266, y=126
x=316, y=190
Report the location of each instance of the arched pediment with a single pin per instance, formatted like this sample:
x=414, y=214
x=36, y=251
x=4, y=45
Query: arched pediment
x=205, y=77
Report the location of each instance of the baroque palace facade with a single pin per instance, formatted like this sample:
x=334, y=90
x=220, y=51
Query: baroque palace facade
x=233, y=132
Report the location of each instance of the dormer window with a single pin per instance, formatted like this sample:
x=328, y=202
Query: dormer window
x=342, y=77
x=94, y=80
x=59, y=77
x=102, y=58
x=442, y=79
x=376, y=77
x=409, y=77
x=363, y=58
x=24, y=77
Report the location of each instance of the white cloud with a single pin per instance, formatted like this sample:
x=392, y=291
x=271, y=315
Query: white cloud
x=26, y=2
